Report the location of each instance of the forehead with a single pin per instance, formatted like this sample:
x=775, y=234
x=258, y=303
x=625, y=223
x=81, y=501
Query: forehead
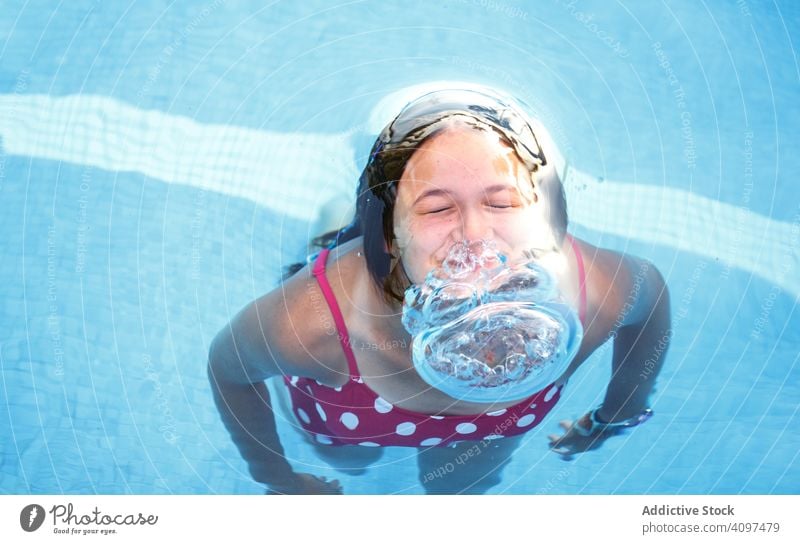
x=462, y=156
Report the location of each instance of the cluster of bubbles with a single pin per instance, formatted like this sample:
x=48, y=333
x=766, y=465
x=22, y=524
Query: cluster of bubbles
x=484, y=330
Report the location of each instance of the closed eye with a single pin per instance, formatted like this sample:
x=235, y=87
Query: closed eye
x=495, y=206
x=437, y=211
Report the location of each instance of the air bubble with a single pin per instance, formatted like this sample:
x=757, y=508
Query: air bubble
x=485, y=329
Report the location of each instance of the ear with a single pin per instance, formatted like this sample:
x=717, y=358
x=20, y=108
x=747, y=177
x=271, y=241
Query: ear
x=392, y=250
x=394, y=255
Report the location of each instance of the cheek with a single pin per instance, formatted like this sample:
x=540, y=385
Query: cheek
x=517, y=226
x=523, y=231
x=536, y=232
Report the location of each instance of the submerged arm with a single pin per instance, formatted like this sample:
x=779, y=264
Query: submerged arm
x=242, y=355
x=640, y=348
x=641, y=341
x=246, y=412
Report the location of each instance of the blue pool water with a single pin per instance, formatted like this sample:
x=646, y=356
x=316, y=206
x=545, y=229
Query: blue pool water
x=160, y=163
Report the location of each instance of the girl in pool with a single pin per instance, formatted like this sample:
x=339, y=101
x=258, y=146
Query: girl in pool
x=454, y=168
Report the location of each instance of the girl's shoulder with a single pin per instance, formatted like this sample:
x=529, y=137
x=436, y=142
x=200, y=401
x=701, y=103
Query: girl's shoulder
x=305, y=328
x=615, y=283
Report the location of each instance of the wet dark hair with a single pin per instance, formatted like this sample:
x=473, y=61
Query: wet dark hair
x=417, y=123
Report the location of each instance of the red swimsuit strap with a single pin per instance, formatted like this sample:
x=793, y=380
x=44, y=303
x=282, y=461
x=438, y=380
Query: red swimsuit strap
x=581, y=279
x=338, y=319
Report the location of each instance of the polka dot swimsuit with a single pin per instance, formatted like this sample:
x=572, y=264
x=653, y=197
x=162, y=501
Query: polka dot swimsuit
x=354, y=414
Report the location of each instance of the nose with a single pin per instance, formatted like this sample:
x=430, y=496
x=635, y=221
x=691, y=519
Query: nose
x=475, y=224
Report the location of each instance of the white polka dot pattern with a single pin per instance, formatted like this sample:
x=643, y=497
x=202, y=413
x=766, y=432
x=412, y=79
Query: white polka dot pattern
x=349, y=420
x=303, y=416
x=406, y=428
x=382, y=406
x=354, y=414
x=321, y=412
x=526, y=420
x=466, y=428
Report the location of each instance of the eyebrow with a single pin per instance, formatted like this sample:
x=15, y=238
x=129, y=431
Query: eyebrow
x=442, y=192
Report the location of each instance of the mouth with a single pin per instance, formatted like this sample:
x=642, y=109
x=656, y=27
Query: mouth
x=470, y=256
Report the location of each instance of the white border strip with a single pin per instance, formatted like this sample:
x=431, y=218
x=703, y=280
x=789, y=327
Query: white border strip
x=734, y=236
x=290, y=173
x=402, y=519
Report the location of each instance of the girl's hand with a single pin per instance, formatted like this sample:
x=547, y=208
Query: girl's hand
x=573, y=441
x=307, y=484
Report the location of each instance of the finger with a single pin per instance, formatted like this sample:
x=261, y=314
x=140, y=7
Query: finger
x=561, y=451
x=554, y=438
x=566, y=424
x=564, y=452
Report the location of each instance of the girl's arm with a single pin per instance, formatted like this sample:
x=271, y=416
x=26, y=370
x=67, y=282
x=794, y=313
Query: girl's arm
x=246, y=411
x=248, y=350
x=640, y=347
x=642, y=335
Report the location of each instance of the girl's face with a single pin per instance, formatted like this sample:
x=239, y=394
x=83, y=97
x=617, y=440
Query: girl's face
x=465, y=184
